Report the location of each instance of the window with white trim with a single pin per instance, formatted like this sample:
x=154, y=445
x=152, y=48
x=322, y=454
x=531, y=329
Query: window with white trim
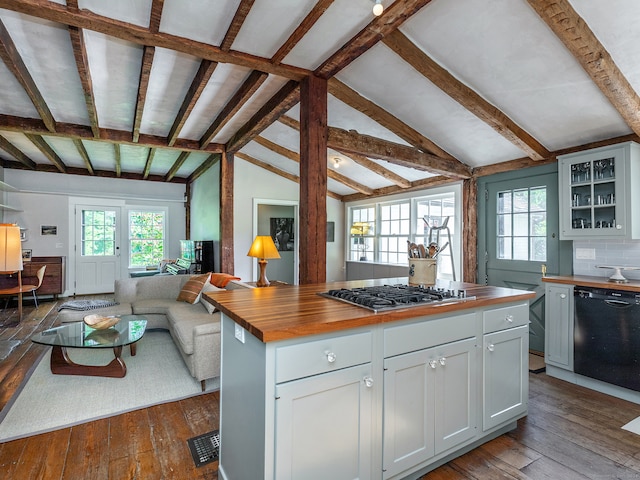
x=522, y=224
x=146, y=237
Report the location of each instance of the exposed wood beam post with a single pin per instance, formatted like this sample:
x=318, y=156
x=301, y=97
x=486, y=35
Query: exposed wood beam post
x=147, y=164
x=118, y=159
x=313, y=180
x=8, y=147
x=226, y=213
x=84, y=154
x=576, y=35
x=143, y=86
x=470, y=230
x=48, y=152
x=176, y=166
x=187, y=210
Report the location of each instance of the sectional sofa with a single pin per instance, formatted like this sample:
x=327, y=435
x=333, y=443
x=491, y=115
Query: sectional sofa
x=191, y=321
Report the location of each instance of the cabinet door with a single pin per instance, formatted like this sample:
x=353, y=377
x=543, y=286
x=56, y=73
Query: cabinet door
x=505, y=379
x=558, y=334
x=429, y=404
x=324, y=426
x=593, y=201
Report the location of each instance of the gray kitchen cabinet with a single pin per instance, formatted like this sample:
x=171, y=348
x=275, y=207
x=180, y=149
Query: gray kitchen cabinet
x=333, y=444
x=599, y=194
x=505, y=382
x=558, y=335
x=429, y=404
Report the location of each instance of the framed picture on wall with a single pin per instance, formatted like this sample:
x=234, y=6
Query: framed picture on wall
x=282, y=232
x=48, y=230
x=26, y=255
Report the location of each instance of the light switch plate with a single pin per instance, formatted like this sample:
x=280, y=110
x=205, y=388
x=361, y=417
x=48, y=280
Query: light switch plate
x=239, y=333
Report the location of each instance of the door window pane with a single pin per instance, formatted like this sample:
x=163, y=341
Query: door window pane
x=522, y=224
x=98, y=233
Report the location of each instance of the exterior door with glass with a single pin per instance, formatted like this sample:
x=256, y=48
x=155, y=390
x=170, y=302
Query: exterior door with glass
x=518, y=237
x=97, y=249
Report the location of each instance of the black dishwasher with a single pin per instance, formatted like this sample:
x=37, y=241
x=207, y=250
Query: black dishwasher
x=607, y=335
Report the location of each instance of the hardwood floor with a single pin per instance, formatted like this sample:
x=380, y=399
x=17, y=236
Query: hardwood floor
x=570, y=432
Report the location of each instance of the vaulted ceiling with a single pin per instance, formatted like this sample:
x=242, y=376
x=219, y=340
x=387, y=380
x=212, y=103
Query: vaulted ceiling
x=430, y=91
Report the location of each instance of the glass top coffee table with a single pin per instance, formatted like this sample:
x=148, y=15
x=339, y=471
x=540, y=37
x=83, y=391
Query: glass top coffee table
x=127, y=331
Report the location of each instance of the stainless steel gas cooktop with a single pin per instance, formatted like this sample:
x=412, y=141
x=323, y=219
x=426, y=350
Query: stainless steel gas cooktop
x=393, y=297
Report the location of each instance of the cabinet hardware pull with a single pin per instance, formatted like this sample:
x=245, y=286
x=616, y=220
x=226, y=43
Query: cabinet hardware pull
x=331, y=357
x=491, y=347
x=443, y=361
x=433, y=363
x=563, y=295
x=368, y=382
x=509, y=318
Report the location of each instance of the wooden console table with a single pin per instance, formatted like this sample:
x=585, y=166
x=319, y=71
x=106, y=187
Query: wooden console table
x=54, y=276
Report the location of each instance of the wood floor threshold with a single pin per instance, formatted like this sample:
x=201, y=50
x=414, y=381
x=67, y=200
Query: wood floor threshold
x=570, y=433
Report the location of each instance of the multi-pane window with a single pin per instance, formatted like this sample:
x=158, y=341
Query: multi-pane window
x=146, y=238
x=98, y=233
x=395, y=228
x=362, y=232
x=391, y=226
x=522, y=224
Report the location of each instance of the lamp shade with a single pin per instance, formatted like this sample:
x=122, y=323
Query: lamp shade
x=10, y=248
x=263, y=247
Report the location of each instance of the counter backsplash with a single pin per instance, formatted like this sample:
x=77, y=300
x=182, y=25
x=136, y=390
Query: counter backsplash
x=607, y=252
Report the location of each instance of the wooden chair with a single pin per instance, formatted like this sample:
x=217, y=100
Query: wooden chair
x=19, y=290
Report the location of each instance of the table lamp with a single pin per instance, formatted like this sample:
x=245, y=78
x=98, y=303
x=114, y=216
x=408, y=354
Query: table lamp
x=263, y=248
x=11, y=255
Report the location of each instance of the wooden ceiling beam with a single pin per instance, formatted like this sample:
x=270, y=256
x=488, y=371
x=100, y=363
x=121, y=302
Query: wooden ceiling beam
x=142, y=36
x=279, y=172
x=198, y=84
x=352, y=184
x=84, y=154
x=16, y=153
x=391, y=190
x=204, y=166
x=69, y=130
x=12, y=59
x=580, y=40
x=236, y=24
x=242, y=96
x=118, y=159
x=309, y=21
x=388, y=22
x=148, y=163
x=356, y=101
x=176, y=166
x=82, y=65
x=281, y=102
x=155, y=17
x=143, y=86
x=379, y=170
x=48, y=152
x=464, y=95
x=354, y=143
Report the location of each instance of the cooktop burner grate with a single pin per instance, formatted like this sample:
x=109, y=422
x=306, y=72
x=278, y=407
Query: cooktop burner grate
x=389, y=297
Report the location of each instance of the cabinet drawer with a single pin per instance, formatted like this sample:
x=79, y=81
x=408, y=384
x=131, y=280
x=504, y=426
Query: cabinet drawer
x=320, y=356
x=428, y=333
x=506, y=317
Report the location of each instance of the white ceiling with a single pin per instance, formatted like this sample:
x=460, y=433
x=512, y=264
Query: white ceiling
x=501, y=49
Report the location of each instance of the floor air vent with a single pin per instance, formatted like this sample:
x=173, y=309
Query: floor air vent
x=205, y=448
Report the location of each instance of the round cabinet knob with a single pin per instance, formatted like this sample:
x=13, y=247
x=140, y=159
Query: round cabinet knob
x=443, y=361
x=509, y=318
x=491, y=347
x=331, y=357
x=619, y=227
x=368, y=382
x=563, y=295
x=433, y=363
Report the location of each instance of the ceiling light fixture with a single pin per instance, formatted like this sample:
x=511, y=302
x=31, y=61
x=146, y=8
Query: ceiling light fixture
x=336, y=162
x=378, y=8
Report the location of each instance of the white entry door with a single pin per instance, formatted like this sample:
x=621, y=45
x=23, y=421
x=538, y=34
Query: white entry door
x=97, y=248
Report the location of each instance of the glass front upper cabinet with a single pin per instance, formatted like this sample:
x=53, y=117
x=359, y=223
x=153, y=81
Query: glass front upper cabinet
x=599, y=192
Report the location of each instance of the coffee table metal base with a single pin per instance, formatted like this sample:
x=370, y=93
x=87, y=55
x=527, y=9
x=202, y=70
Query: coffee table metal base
x=61, y=364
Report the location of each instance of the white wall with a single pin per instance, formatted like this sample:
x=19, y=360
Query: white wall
x=45, y=199
x=251, y=182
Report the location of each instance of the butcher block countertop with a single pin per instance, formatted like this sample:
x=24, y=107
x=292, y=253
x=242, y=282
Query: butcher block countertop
x=595, y=282
x=286, y=312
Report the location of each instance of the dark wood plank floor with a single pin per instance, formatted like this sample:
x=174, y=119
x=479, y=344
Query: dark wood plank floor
x=570, y=432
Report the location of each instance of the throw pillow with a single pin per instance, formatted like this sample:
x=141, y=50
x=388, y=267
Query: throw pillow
x=190, y=292
x=208, y=288
x=220, y=280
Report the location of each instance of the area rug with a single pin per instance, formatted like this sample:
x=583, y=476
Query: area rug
x=86, y=304
x=157, y=374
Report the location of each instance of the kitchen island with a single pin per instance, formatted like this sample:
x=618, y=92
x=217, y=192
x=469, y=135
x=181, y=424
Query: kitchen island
x=312, y=387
